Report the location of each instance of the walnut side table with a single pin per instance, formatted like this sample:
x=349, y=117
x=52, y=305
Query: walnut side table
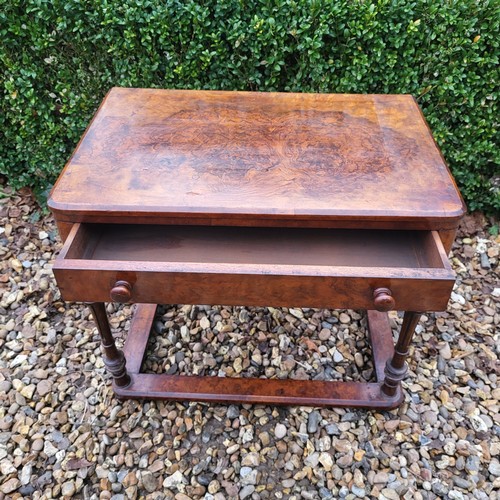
x=257, y=199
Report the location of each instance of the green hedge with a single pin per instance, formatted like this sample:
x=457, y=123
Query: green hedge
x=59, y=57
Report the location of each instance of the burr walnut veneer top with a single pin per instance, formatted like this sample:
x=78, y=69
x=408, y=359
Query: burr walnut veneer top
x=215, y=157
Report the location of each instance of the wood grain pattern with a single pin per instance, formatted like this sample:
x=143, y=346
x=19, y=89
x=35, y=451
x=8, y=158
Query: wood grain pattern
x=171, y=153
x=342, y=292
x=259, y=391
x=297, y=173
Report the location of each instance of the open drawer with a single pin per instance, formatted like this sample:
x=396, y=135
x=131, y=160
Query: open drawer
x=331, y=268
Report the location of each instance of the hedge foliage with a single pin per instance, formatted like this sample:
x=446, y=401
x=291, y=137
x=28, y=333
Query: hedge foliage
x=58, y=58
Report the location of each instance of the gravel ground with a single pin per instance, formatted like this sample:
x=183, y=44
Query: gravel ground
x=63, y=434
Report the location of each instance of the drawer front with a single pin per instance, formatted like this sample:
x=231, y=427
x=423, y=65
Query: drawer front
x=80, y=278
x=354, y=292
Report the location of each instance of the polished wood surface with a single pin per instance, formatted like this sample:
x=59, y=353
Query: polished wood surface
x=244, y=274
x=231, y=156
x=396, y=367
x=259, y=391
x=383, y=299
x=113, y=358
x=258, y=199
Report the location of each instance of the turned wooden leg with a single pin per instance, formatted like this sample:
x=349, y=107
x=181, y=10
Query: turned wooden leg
x=396, y=368
x=114, y=359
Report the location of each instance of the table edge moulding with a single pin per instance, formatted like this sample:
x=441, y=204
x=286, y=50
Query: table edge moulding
x=257, y=199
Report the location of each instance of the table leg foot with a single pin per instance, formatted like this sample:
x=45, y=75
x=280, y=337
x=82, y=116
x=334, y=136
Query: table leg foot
x=396, y=367
x=114, y=359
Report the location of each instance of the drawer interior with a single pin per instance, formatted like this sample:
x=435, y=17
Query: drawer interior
x=260, y=246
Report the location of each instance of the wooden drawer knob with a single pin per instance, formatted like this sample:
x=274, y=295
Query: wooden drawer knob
x=121, y=292
x=383, y=299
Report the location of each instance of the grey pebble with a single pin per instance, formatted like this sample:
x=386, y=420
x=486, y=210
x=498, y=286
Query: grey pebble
x=359, y=492
x=204, y=479
x=200, y=467
x=114, y=412
x=350, y=417
x=5, y=386
x=243, y=316
x=441, y=364
x=472, y=464
x=149, y=481
x=6, y=422
x=26, y=490
x=312, y=460
x=424, y=440
x=51, y=336
x=395, y=485
x=44, y=480
x=443, y=411
x=246, y=491
x=233, y=412
x=326, y=493
x=116, y=487
x=313, y=421
x=25, y=475
x=332, y=429
x=412, y=415
x=121, y=475
x=280, y=431
x=461, y=482
x=440, y=489
x=308, y=495
x=159, y=327
x=485, y=261
x=494, y=468
x=172, y=369
x=248, y=475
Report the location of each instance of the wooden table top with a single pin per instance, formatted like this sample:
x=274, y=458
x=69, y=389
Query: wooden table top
x=247, y=156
